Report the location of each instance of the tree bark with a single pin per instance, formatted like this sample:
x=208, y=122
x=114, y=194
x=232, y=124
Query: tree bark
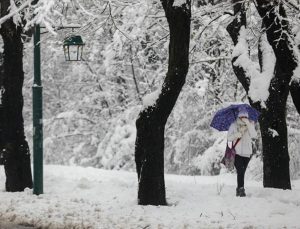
x=273, y=117
x=14, y=145
x=149, y=146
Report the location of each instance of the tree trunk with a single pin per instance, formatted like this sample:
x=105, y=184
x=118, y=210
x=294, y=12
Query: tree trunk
x=276, y=155
x=275, y=146
x=15, y=147
x=273, y=117
x=149, y=146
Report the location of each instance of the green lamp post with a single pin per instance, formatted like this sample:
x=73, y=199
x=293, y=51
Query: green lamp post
x=37, y=104
x=73, y=48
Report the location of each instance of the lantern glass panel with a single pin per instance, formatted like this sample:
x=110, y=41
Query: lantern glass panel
x=80, y=51
x=73, y=52
x=66, y=52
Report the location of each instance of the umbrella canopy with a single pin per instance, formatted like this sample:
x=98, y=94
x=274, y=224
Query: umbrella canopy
x=224, y=117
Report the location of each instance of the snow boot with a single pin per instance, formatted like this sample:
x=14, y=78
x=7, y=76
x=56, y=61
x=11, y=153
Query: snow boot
x=240, y=192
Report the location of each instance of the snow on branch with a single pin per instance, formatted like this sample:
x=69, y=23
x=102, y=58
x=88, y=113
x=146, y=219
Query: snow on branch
x=259, y=81
x=179, y=3
x=150, y=99
x=14, y=12
x=44, y=12
x=296, y=45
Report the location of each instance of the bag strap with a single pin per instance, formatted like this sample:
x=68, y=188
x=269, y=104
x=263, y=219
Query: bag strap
x=237, y=141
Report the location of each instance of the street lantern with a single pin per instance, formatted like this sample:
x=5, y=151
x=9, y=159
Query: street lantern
x=73, y=48
x=37, y=99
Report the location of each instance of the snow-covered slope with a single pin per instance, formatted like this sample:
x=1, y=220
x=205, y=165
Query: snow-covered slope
x=77, y=197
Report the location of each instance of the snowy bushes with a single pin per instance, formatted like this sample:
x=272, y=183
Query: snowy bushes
x=116, y=150
x=209, y=162
x=70, y=138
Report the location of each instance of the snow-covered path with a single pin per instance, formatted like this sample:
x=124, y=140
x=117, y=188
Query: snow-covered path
x=77, y=197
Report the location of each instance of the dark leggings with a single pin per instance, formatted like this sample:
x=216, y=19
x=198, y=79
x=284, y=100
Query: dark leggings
x=241, y=164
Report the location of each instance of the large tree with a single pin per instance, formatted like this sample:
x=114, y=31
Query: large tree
x=149, y=146
x=273, y=115
x=13, y=142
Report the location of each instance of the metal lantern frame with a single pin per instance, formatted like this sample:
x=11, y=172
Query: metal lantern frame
x=73, y=40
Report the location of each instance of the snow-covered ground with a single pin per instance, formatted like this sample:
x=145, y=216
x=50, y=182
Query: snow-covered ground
x=77, y=197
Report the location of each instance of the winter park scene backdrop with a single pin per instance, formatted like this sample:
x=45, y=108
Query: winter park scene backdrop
x=127, y=140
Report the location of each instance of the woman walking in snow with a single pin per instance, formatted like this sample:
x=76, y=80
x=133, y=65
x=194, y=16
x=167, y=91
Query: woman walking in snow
x=240, y=133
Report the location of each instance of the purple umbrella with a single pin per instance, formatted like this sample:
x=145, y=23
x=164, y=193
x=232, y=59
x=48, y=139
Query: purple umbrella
x=224, y=117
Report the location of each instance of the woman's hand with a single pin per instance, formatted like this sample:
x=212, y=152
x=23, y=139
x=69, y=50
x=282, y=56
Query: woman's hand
x=242, y=129
x=245, y=120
